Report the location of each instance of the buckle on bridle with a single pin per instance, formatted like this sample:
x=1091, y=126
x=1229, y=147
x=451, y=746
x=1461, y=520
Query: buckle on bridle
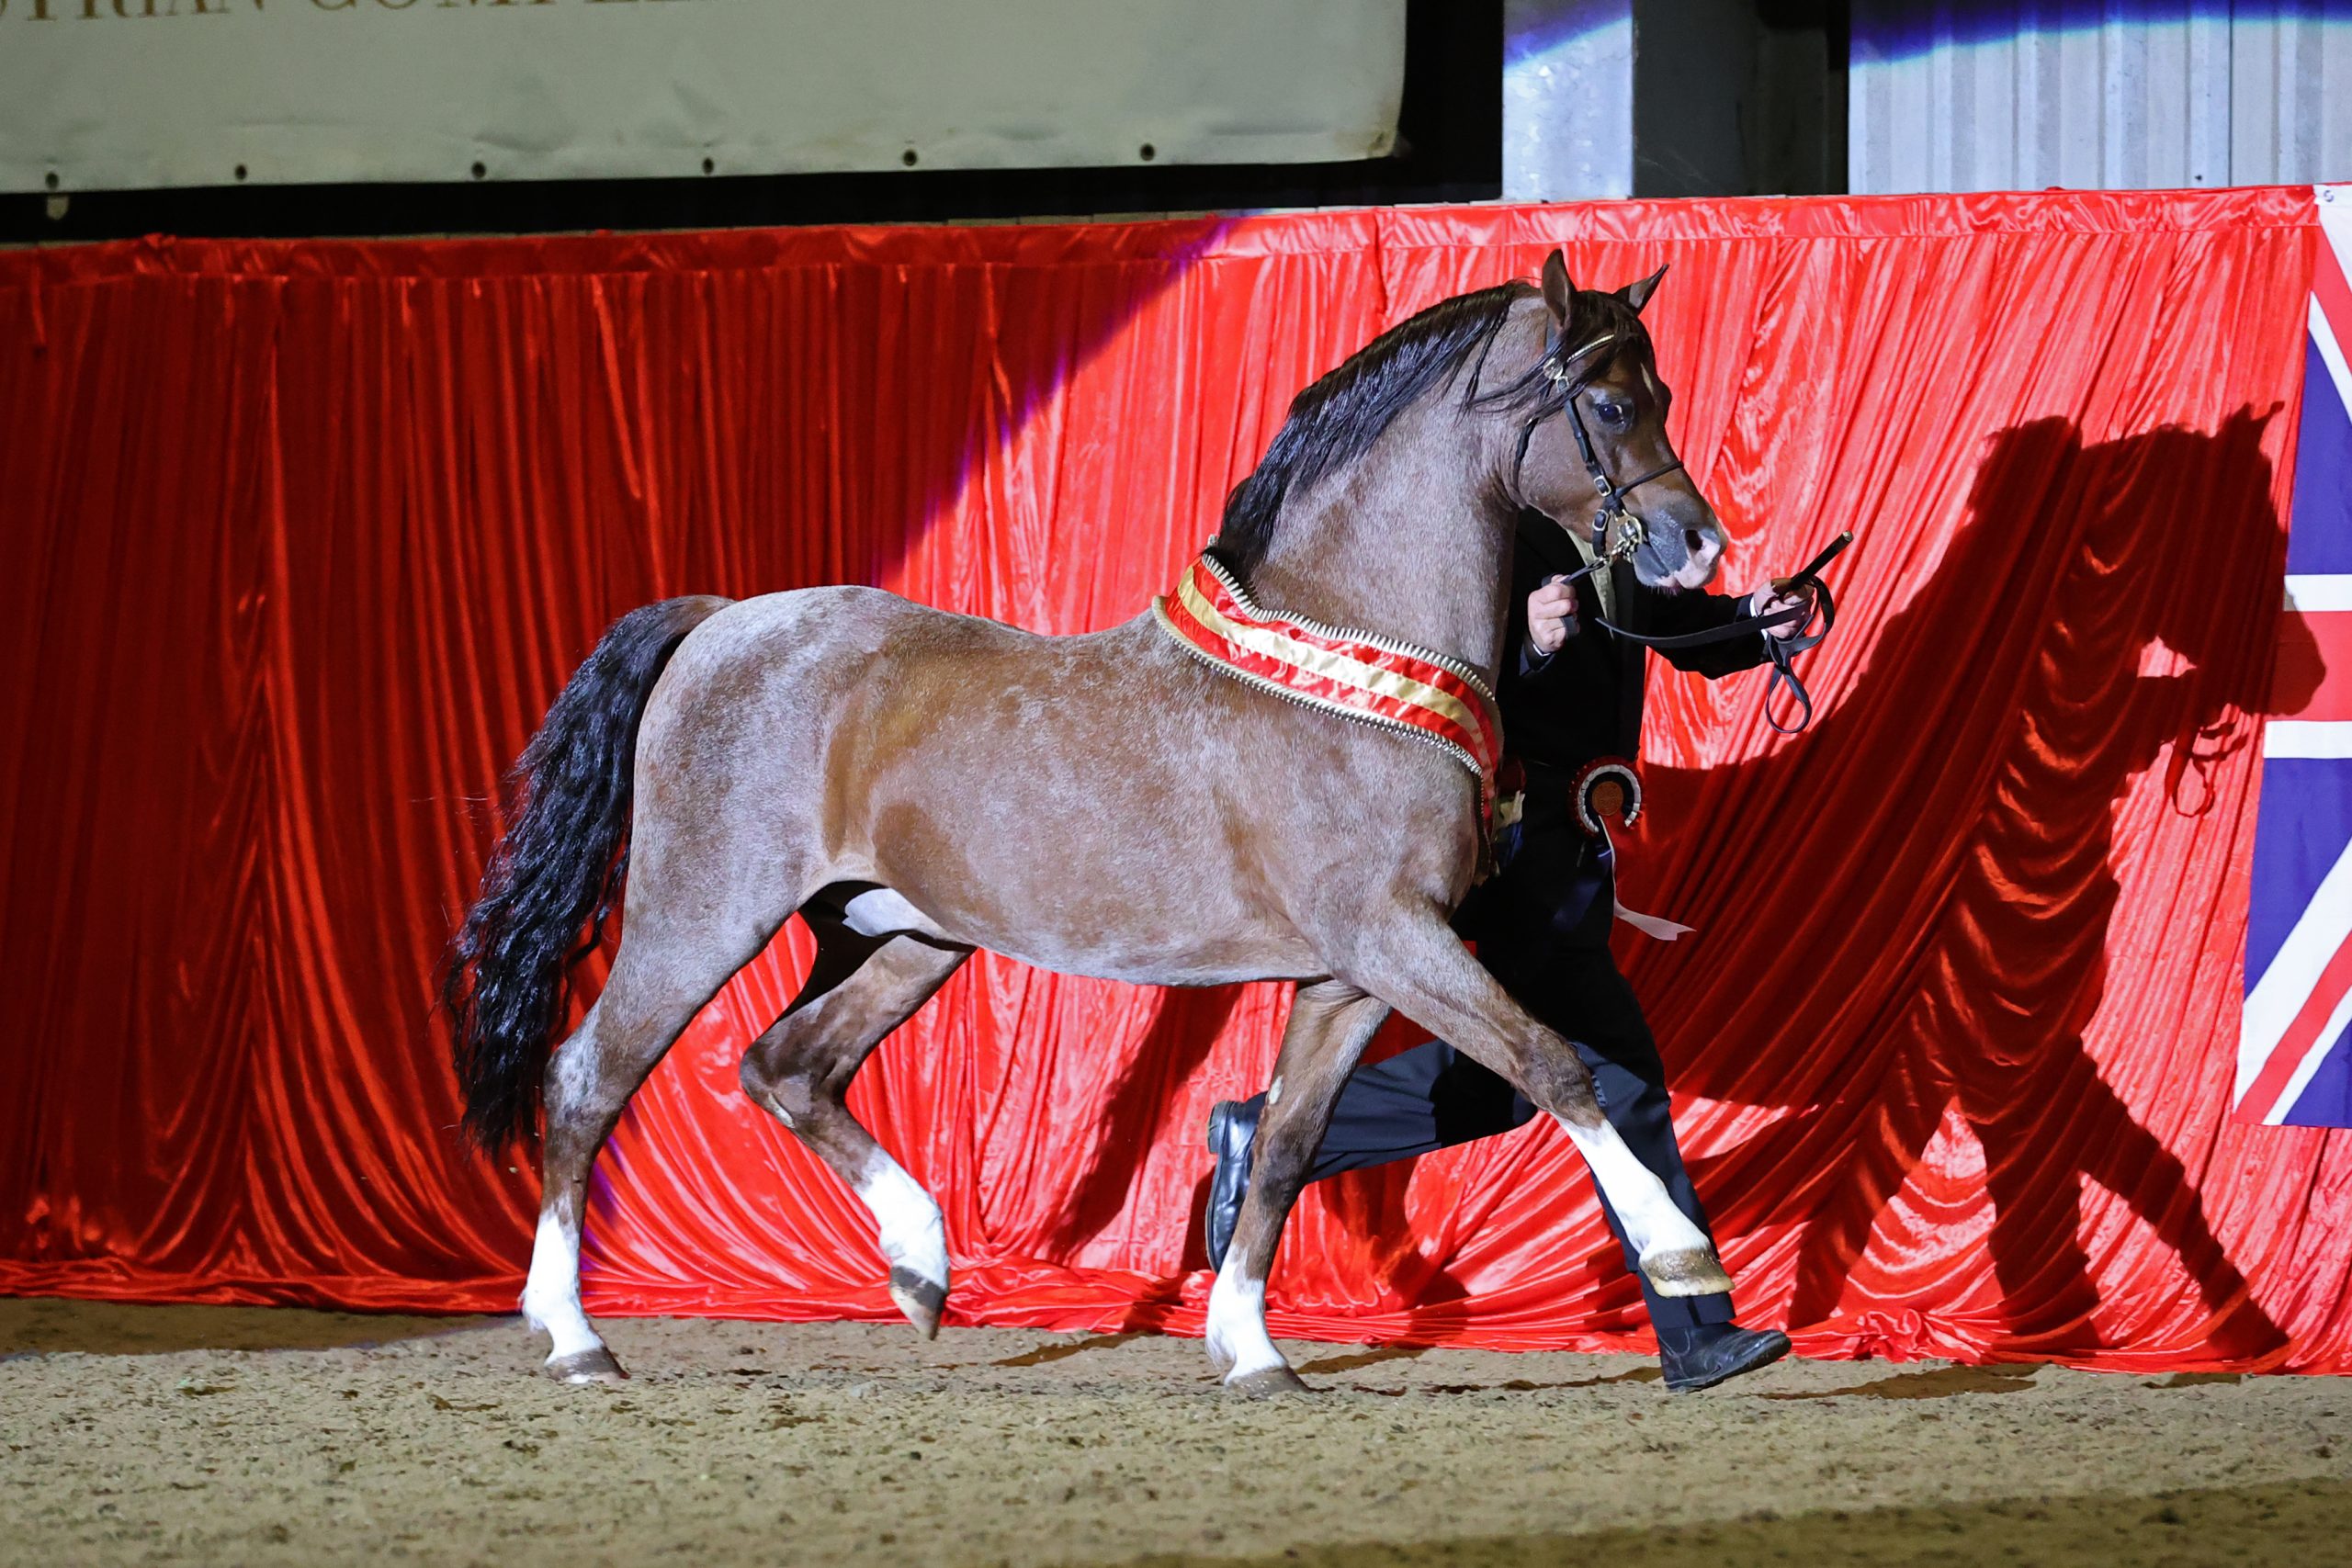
x=1622, y=533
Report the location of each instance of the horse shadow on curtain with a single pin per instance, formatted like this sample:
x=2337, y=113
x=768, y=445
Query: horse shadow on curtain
x=2099, y=611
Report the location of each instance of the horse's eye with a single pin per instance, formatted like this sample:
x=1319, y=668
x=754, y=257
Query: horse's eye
x=1615, y=415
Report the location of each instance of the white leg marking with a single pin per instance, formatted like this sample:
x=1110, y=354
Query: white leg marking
x=551, y=1292
x=1652, y=1223
x=1237, y=1326
x=883, y=912
x=913, y=1236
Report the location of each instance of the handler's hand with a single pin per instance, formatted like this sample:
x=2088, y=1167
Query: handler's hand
x=1551, y=615
x=1764, y=602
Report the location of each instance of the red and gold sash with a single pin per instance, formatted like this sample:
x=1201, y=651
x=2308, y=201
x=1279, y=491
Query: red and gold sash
x=1356, y=675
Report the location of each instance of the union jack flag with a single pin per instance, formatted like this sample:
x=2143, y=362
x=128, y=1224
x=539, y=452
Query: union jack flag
x=2294, y=1046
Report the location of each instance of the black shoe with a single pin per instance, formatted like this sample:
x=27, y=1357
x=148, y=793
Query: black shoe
x=1716, y=1352
x=1233, y=1130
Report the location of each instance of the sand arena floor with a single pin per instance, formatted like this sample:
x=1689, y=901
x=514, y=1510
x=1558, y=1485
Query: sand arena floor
x=216, y=1435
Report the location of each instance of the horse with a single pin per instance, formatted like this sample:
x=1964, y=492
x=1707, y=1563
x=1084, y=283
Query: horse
x=917, y=784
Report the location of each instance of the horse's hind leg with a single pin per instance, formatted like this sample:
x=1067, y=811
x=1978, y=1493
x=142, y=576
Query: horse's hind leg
x=671, y=963
x=1331, y=1024
x=862, y=988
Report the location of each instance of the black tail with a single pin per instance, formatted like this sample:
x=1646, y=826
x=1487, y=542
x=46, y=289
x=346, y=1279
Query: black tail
x=558, y=869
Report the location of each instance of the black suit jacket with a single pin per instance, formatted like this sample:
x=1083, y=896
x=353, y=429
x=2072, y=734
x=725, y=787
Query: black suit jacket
x=1560, y=713
x=1585, y=701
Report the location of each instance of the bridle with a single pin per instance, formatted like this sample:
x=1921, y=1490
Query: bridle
x=1618, y=531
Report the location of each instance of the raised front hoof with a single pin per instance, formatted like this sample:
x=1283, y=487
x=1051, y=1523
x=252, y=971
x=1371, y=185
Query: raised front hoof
x=1266, y=1382
x=598, y=1365
x=919, y=1299
x=1687, y=1273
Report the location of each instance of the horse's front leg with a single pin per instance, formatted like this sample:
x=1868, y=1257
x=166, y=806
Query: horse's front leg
x=1415, y=963
x=1331, y=1024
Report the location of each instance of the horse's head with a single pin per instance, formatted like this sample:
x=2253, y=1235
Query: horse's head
x=1605, y=433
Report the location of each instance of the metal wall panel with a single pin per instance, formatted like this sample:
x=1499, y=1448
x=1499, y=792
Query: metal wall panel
x=1568, y=99
x=2020, y=95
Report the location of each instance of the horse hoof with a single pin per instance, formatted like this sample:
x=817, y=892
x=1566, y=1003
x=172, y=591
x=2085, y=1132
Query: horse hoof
x=1265, y=1382
x=598, y=1365
x=919, y=1299
x=1687, y=1273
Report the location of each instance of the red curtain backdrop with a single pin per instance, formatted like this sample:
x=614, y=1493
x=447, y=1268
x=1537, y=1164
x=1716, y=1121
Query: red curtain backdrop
x=302, y=538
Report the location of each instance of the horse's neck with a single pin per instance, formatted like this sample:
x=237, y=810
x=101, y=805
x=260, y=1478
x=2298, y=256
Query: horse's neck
x=1412, y=542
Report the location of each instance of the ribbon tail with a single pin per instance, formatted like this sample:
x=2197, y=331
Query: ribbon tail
x=1654, y=925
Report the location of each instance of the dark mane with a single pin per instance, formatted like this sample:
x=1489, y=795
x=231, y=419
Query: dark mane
x=1338, y=418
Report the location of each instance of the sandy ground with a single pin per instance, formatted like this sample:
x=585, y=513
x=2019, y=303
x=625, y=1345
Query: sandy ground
x=236, y=1435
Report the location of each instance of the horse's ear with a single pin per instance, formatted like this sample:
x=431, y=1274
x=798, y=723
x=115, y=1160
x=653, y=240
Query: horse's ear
x=1559, y=293
x=1638, y=294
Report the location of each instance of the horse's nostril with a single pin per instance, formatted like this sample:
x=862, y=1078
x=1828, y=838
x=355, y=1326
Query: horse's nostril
x=1692, y=542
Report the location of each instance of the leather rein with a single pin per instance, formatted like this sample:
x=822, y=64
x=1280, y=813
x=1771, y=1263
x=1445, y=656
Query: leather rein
x=1618, y=532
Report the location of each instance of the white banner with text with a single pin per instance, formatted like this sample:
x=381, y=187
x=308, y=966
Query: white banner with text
x=109, y=95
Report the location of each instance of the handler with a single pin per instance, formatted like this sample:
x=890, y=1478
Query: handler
x=1571, y=694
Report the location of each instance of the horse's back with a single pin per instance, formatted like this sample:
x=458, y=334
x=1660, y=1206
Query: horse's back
x=793, y=649
x=847, y=680
x=836, y=622
x=857, y=636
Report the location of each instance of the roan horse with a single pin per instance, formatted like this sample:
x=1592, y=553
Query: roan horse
x=917, y=784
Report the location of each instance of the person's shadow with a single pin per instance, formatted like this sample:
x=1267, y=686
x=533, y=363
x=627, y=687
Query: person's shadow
x=2103, y=607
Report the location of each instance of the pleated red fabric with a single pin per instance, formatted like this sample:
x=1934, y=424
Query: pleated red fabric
x=301, y=539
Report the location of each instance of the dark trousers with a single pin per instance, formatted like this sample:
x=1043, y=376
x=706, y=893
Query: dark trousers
x=1541, y=926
